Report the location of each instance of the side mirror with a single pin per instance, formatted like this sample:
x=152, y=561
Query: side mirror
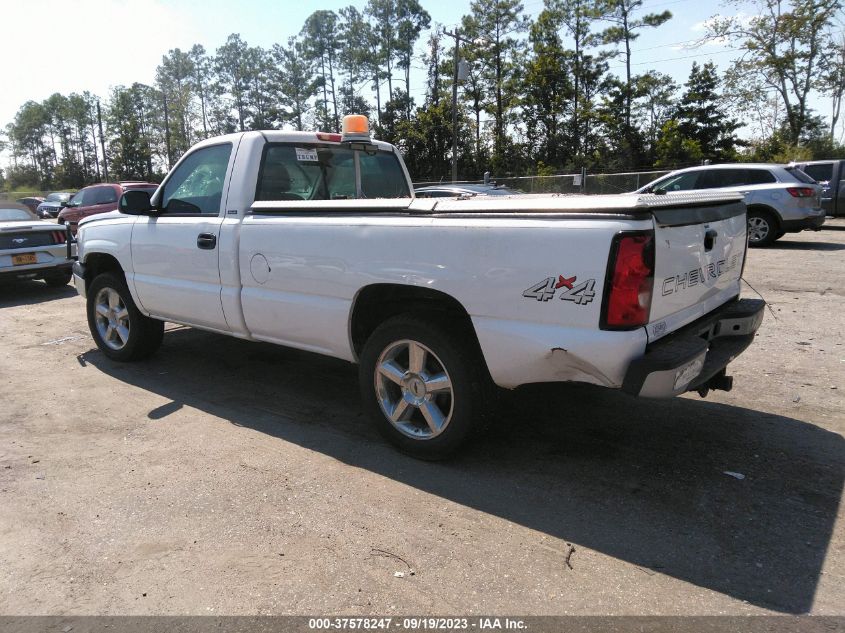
x=135, y=203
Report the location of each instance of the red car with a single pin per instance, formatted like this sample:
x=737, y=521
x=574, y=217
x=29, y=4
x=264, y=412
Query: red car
x=100, y=198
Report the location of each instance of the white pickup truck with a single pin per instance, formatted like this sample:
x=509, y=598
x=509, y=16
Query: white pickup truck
x=315, y=241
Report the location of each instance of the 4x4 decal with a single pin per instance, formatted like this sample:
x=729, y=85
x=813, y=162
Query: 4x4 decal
x=582, y=294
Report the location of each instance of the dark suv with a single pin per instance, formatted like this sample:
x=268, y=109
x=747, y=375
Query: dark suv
x=54, y=203
x=100, y=198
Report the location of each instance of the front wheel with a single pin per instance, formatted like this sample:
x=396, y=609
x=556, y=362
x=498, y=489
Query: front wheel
x=118, y=327
x=423, y=384
x=762, y=228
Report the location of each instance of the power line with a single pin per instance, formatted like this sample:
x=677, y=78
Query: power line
x=673, y=59
x=664, y=4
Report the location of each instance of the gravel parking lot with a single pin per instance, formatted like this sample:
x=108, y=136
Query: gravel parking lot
x=227, y=477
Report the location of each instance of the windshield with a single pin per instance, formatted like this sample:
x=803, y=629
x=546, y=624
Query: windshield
x=57, y=197
x=10, y=215
x=306, y=171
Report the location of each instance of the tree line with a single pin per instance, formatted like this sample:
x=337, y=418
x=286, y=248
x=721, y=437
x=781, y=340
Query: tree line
x=541, y=95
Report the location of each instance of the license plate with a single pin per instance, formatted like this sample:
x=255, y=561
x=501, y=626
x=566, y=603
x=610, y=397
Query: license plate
x=25, y=258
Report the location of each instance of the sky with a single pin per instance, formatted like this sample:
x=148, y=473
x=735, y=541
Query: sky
x=75, y=45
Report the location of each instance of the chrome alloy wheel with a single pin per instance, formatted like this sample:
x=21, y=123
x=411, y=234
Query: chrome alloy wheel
x=758, y=229
x=112, y=318
x=414, y=389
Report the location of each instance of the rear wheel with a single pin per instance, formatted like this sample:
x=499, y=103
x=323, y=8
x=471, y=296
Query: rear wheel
x=58, y=278
x=762, y=228
x=118, y=327
x=423, y=384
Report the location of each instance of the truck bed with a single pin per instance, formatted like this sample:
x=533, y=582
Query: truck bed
x=668, y=210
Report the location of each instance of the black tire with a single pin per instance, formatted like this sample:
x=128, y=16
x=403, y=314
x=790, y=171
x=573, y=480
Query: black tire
x=58, y=278
x=142, y=334
x=763, y=228
x=448, y=347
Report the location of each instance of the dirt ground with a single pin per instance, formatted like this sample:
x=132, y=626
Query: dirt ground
x=227, y=477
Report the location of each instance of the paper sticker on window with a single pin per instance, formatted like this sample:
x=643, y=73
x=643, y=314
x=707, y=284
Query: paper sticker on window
x=306, y=154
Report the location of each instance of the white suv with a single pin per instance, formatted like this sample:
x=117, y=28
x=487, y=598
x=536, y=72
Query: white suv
x=779, y=199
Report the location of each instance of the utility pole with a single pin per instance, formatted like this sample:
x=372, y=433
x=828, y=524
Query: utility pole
x=457, y=36
x=102, y=143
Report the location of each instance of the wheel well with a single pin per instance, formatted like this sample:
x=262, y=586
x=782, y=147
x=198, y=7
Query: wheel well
x=379, y=302
x=766, y=210
x=98, y=263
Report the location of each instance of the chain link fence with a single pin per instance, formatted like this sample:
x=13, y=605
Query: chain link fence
x=593, y=184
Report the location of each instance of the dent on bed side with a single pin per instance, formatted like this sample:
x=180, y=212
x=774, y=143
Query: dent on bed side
x=571, y=367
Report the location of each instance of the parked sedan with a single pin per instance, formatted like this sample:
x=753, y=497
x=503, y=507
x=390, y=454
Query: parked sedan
x=451, y=191
x=96, y=199
x=779, y=199
x=54, y=203
x=31, y=248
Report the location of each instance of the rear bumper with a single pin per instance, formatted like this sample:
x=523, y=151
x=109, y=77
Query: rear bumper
x=37, y=271
x=689, y=358
x=812, y=223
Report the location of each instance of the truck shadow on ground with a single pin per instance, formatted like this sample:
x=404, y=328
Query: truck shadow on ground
x=806, y=246
x=21, y=293
x=642, y=481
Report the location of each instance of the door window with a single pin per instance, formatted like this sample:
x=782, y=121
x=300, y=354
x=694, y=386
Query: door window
x=82, y=198
x=101, y=195
x=716, y=178
x=196, y=186
x=759, y=177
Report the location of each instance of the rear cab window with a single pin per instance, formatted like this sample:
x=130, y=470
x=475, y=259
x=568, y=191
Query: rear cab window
x=322, y=171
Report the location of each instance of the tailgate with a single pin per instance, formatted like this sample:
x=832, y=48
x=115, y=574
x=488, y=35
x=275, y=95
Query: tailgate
x=699, y=255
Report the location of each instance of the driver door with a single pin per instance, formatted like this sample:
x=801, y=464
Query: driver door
x=175, y=254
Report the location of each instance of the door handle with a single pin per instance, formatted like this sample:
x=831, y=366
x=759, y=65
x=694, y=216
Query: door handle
x=206, y=241
x=709, y=239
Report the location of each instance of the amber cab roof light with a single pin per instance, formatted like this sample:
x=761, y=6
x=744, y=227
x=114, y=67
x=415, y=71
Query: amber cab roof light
x=356, y=127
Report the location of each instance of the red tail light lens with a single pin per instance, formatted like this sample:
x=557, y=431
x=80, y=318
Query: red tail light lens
x=801, y=192
x=630, y=281
x=59, y=237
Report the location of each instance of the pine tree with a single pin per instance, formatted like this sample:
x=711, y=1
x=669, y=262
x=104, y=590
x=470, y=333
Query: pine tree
x=702, y=117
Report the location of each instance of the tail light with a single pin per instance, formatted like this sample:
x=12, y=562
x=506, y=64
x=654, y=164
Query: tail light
x=59, y=237
x=630, y=281
x=801, y=192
